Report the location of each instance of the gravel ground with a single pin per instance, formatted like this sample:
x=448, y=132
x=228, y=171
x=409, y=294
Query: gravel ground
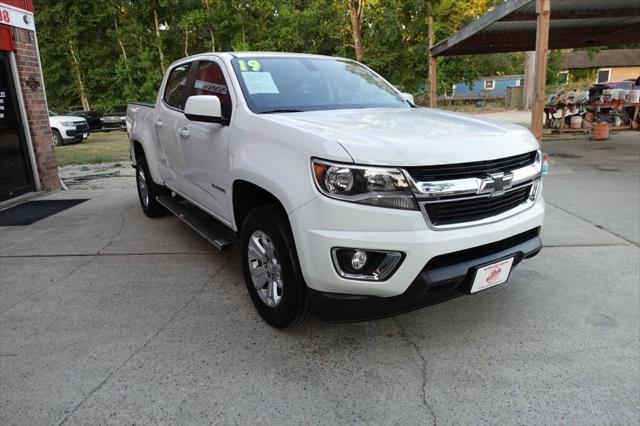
x=119, y=175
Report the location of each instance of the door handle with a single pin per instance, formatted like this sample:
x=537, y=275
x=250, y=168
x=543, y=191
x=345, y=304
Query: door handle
x=184, y=132
x=158, y=123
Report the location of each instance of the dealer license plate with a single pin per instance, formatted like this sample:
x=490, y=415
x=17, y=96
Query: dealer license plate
x=85, y=135
x=492, y=275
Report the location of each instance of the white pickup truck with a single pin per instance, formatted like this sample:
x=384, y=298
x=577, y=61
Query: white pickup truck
x=67, y=128
x=343, y=197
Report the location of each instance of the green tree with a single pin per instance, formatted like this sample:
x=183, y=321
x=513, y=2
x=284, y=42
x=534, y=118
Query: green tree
x=99, y=54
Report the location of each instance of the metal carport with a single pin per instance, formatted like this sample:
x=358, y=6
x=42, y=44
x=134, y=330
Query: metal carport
x=540, y=25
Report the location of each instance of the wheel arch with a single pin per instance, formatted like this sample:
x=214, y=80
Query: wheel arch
x=137, y=150
x=247, y=196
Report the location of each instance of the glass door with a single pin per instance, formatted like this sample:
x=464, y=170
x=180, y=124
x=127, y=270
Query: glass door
x=16, y=177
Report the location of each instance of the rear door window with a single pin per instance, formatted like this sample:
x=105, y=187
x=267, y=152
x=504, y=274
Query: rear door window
x=176, y=89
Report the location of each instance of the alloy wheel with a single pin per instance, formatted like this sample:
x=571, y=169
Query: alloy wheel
x=265, y=268
x=142, y=187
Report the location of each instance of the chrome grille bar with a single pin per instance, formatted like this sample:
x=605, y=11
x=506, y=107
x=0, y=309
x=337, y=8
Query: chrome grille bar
x=483, y=197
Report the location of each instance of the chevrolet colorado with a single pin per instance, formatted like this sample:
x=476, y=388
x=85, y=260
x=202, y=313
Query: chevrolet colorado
x=67, y=128
x=343, y=197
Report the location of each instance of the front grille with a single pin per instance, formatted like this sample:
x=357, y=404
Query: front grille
x=82, y=126
x=477, y=169
x=468, y=210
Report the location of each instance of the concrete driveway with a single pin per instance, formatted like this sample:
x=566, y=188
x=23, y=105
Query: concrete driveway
x=109, y=317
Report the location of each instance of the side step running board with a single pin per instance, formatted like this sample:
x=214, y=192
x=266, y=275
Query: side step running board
x=216, y=233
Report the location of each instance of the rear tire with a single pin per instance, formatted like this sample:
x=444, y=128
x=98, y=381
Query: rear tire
x=271, y=268
x=148, y=190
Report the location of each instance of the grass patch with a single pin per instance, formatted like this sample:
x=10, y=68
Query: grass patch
x=98, y=148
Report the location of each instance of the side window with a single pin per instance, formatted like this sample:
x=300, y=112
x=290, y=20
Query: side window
x=604, y=75
x=175, y=90
x=210, y=81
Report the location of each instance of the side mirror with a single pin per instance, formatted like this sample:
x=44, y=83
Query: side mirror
x=204, y=108
x=408, y=97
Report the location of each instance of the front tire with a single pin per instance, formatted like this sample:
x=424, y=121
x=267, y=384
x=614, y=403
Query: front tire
x=56, y=138
x=271, y=268
x=148, y=190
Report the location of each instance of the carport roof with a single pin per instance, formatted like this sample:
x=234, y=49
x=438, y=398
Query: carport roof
x=602, y=58
x=511, y=27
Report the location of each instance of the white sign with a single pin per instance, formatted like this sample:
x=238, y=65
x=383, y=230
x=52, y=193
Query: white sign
x=492, y=275
x=14, y=17
x=259, y=82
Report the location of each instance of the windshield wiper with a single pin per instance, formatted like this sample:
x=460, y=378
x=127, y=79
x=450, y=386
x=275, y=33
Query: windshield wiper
x=274, y=111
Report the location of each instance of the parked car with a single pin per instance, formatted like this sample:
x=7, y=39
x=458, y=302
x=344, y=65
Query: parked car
x=341, y=195
x=67, y=129
x=115, y=119
x=635, y=83
x=93, y=118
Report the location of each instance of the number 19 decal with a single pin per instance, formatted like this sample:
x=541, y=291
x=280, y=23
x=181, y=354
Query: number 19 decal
x=251, y=65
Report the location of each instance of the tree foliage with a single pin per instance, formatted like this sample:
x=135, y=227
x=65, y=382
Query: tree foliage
x=121, y=46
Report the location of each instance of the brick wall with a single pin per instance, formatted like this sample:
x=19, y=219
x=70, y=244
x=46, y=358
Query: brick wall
x=36, y=107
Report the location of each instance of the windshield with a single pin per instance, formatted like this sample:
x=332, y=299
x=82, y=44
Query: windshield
x=292, y=84
x=52, y=114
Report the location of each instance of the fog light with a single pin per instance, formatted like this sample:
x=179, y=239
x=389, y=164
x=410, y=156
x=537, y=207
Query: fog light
x=358, y=260
x=367, y=265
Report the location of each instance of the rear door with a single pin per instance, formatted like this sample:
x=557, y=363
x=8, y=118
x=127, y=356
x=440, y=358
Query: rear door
x=204, y=146
x=168, y=119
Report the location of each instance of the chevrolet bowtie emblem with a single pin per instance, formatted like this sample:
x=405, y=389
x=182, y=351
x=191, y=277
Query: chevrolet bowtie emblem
x=496, y=184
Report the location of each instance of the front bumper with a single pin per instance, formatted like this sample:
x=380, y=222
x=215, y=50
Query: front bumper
x=443, y=277
x=114, y=124
x=79, y=132
x=324, y=223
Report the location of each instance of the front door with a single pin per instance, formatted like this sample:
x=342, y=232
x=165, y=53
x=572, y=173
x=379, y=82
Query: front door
x=16, y=176
x=204, y=146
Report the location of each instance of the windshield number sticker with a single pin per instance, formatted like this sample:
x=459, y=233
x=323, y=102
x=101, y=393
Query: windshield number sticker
x=250, y=66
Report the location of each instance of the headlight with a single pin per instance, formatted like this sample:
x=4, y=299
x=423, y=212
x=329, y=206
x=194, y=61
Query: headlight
x=67, y=123
x=376, y=186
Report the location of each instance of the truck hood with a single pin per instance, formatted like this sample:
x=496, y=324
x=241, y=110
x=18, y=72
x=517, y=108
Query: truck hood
x=413, y=137
x=72, y=118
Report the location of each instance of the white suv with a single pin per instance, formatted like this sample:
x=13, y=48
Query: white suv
x=67, y=129
x=341, y=194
